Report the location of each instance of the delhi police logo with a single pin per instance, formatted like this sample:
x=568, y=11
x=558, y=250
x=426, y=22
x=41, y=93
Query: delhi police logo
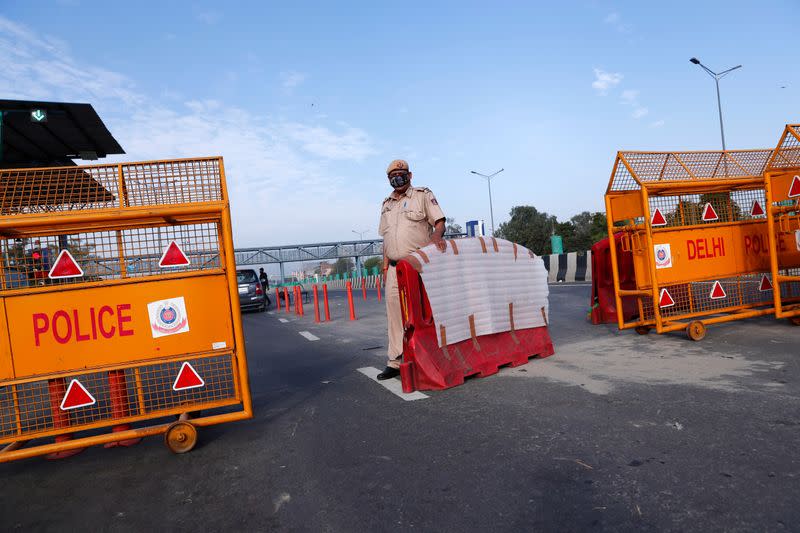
x=168, y=318
x=663, y=256
x=167, y=314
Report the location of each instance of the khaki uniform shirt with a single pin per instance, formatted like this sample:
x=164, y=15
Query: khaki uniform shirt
x=407, y=221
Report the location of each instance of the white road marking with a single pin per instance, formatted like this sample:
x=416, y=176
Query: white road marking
x=283, y=320
x=270, y=312
x=392, y=385
x=309, y=336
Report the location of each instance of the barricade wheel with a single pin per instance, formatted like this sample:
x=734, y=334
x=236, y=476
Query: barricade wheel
x=642, y=330
x=180, y=437
x=795, y=320
x=696, y=330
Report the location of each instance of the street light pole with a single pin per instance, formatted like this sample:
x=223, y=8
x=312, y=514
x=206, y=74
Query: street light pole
x=360, y=233
x=717, y=76
x=360, y=238
x=489, y=182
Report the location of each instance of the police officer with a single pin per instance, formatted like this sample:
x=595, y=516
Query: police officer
x=410, y=218
x=264, y=280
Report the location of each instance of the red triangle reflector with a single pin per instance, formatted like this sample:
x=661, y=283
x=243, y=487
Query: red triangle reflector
x=756, y=210
x=766, y=284
x=76, y=396
x=794, y=189
x=717, y=292
x=65, y=267
x=709, y=214
x=658, y=219
x=173, y=256
x=665, y=300
x=188, y=378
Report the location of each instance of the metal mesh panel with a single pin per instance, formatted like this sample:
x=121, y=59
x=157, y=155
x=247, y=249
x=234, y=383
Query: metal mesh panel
x=751, y=162
x=172, y=182
x=27, y=262
x=58, y=189
x=622, y=179
x=687, y=210
x=146, y=391
x=790, y=289
x=695, y=297
x=707, y=165
x=157, y=380
x=35, y=416
x=688, y=166
x=144, y=248
x=787, y=155
x=25, y=191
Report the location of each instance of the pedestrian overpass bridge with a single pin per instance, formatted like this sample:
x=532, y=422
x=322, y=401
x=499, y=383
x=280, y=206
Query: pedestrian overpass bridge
x=321, y=251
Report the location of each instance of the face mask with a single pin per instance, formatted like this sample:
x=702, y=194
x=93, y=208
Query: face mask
x=399, y=181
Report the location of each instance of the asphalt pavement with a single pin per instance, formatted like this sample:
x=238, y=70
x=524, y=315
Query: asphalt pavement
x=616, y=431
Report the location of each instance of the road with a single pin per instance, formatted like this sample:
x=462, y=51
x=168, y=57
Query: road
x=616, y=431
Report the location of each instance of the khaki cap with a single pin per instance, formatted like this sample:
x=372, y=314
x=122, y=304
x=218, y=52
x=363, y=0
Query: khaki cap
x=397, y=164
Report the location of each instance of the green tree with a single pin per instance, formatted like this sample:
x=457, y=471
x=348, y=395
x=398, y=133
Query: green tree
x=373, y=262
x=689, y=213
x=587, y=229
x=343, y=265
x=686, y=213
x=451, y=226
x=727, y=210
x=566, y=230
x=529, y=227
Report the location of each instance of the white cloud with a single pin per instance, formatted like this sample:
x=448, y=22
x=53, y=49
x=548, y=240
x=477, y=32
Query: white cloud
x=657, y=124
x=615, y=21
x=208, y=17
x=351, y=144
x=630, y=96
x=281, y=173
x=40, y=68
x=603, y=81
x=292, y=79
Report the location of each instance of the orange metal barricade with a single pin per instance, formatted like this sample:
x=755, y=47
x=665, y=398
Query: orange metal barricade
x=695, y=224
x=120, y=305
x=783, y=219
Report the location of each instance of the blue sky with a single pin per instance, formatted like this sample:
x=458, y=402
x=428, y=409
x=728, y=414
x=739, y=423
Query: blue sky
x=309, y=101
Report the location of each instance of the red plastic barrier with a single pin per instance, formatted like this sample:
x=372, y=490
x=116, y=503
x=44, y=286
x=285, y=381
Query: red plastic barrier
x=604, y=306
x=316, y=304
x=57, y=389
x=426, y=366
x=118, y=394
x=349, y=287
x=327, y=307
x=300, y=310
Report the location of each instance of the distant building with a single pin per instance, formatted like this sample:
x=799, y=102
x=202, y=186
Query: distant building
x=325, y=268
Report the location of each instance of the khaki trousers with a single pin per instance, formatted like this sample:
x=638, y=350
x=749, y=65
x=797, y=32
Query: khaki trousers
x=394, y=317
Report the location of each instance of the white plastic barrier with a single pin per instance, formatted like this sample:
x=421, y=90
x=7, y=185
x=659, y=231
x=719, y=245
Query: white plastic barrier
x=474, y=282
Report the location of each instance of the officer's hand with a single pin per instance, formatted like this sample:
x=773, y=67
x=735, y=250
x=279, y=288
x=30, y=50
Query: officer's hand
x=439, y=242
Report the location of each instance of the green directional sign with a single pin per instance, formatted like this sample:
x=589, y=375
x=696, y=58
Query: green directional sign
x=38, y=115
